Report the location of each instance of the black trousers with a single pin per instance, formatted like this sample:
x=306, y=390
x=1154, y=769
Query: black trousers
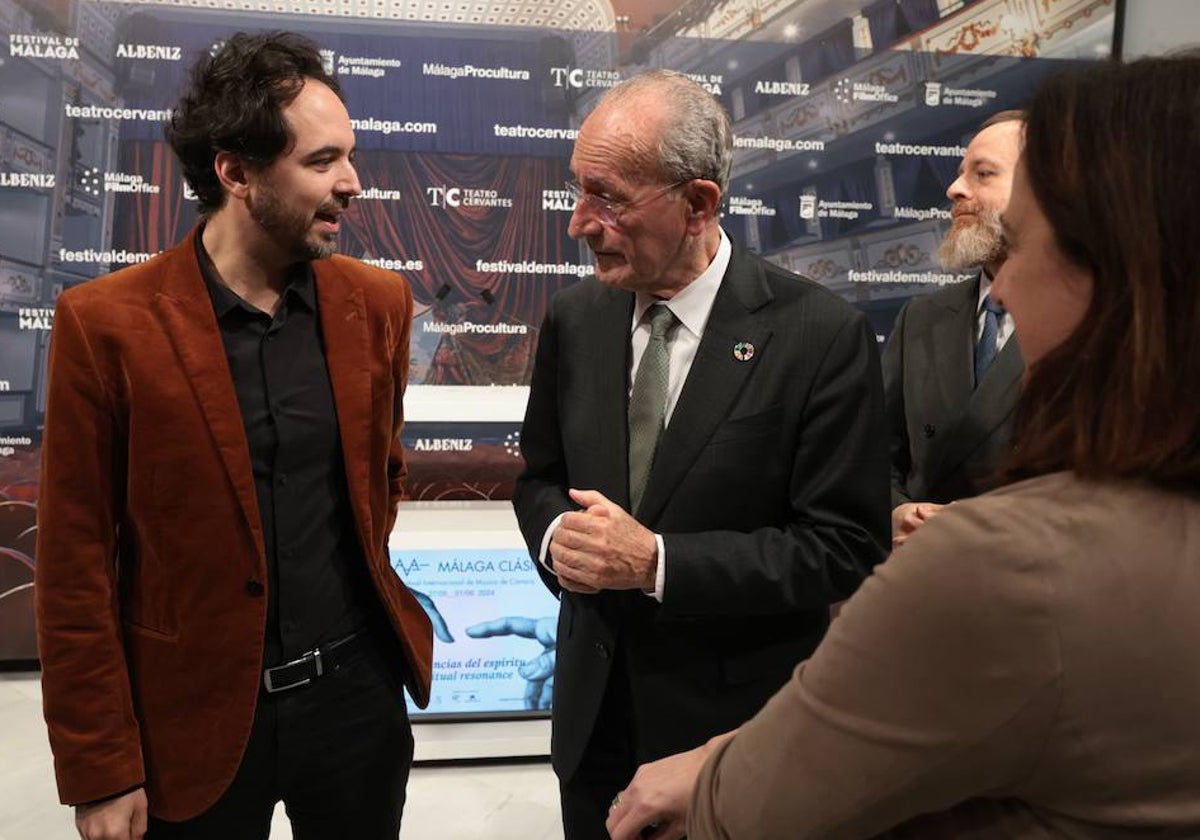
x=336, y=752
x=608, y=763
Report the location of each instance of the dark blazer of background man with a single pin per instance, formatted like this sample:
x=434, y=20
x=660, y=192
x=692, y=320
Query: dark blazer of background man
x=221, y=472
x=947, y=431
x=768, y=489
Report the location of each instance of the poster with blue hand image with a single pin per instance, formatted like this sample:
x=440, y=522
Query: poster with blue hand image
x=494, y=626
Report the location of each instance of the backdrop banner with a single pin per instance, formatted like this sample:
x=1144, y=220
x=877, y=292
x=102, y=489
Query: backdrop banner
x=850, y=119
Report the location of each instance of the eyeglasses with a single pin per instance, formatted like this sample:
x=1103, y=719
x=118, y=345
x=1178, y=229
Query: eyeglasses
x=608, y=211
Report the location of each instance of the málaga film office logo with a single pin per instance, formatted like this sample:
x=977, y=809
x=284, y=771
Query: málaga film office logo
x=848, y=90
x=456, y=197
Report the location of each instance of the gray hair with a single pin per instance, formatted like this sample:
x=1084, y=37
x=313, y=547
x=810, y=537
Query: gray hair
x=697, y=138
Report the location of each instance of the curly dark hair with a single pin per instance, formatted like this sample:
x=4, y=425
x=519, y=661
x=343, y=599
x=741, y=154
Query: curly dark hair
x=235, y=102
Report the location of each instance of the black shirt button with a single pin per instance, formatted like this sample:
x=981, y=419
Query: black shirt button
x=930, y=430
x=254, y=588
x=602, y=650
x=282, y=480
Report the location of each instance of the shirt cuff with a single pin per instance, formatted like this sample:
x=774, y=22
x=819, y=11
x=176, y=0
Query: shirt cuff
x=660, y=572
x=93, y=802
x=544, y=552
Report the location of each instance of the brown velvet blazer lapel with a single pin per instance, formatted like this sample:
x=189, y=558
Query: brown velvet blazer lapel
x=366, y=352
x=347, y=355
x=184, y=305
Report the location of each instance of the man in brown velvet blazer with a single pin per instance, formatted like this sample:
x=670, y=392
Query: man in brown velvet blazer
x=219, y=624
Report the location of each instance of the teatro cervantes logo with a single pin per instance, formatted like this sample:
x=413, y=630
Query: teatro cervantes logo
x=567, y=76
x=444, y=196
x=455, y=197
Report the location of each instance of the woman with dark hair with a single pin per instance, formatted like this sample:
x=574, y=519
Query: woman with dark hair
x=1026, y=665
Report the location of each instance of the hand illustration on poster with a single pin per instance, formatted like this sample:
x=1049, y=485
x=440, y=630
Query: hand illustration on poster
x=440, y=628
x=537, y=672
x=494, y=624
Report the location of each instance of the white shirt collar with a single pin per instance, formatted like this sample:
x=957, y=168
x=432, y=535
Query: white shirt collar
x=985, y=286
x=692, y=304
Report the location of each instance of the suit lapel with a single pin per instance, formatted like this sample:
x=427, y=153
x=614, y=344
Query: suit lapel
x=714, y=381
x=347, y=355
x=955, y=328
x=989, y=407
x=185, y=308
x=984, y=408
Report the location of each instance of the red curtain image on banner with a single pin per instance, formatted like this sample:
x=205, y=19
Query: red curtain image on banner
x=444, y=222
x=18, y=533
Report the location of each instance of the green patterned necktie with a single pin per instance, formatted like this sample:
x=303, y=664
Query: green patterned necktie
x=648, y=403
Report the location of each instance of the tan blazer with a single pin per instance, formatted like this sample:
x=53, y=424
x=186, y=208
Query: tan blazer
x=1026, y=666
x=151, y=572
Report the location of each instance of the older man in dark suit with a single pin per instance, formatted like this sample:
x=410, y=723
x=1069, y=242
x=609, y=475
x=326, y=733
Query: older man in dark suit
x=705, y=455
x=952, y=368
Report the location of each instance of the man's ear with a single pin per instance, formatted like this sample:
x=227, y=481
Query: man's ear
x=231, y=172
x=704, y=203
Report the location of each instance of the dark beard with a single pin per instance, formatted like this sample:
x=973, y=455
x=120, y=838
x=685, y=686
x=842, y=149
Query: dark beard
x=292, y=231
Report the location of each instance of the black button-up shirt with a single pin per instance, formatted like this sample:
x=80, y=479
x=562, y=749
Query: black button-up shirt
x=317, y=585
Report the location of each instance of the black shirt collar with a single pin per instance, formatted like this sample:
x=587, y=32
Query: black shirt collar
x=300, y=284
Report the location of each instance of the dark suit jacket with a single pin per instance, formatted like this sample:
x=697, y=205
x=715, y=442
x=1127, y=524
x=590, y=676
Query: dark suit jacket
x=151, y=572
x=946, y=436
x=769, y=488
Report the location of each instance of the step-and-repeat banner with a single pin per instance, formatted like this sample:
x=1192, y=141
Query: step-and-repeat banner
x=850, y=121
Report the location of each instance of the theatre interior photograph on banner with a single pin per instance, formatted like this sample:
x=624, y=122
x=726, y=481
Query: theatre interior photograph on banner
x=850, y=120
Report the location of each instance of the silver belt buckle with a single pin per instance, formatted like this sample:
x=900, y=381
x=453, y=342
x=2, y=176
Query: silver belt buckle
x=269, y=682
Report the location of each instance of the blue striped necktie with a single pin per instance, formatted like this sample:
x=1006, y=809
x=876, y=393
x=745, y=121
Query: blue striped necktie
x=988, y=346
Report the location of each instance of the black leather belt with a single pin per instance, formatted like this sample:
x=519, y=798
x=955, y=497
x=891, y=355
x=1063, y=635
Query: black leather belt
x=317, y=662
